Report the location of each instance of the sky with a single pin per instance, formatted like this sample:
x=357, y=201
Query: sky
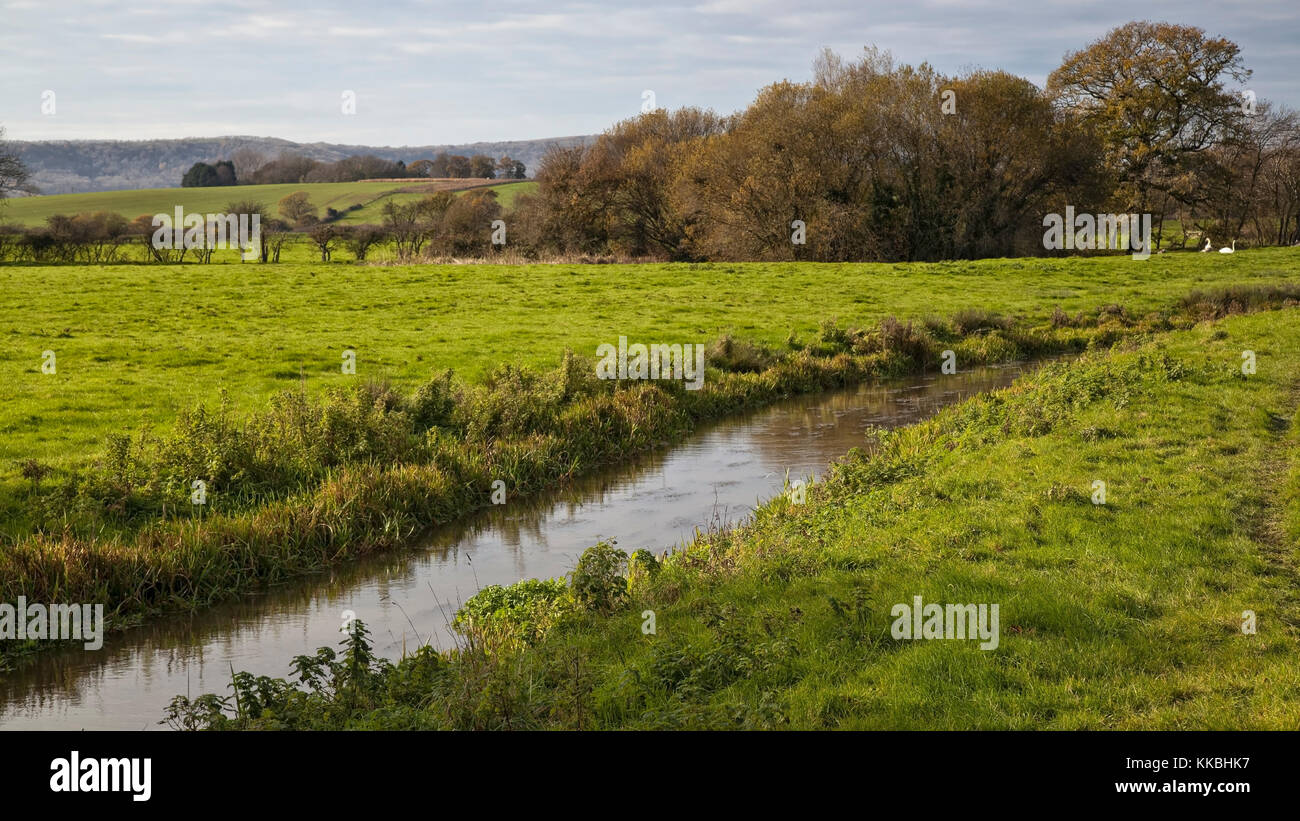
x=424, y=73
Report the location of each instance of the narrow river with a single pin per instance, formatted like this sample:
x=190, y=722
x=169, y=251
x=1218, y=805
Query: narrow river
x=409, y=597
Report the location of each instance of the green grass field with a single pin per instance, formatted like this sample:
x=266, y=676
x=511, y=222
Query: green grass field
x=31, y=211
x=373, y=213
x=1126, y=614
x=134, y=344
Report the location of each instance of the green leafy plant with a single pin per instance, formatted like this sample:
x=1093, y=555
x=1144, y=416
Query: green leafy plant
x=598, y=581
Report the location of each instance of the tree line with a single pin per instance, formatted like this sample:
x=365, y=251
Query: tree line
x=888, y=162
x=250, y=167
x=438, y=225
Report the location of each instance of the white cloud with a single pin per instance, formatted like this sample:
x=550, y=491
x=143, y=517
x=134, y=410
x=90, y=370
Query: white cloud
x=440, y=72
x=146, y=38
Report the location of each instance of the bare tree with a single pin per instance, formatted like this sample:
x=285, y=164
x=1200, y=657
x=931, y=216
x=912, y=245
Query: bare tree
x=277, y=234
x=324, y=236
x=251, y=208
x=359, y=239
x=14, y=177
x=247, y=162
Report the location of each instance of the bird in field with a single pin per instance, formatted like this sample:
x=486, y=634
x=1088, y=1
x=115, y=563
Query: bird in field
x=1226, y=250
x=1206, y=249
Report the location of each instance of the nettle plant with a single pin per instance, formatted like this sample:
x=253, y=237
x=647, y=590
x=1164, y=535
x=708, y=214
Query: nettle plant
x=599, y=582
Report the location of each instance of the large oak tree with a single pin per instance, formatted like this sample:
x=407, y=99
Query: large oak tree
x=1157, y=95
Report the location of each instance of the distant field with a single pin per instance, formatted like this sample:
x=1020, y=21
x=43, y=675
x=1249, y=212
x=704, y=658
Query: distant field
x=32, y=211
x=373, y=213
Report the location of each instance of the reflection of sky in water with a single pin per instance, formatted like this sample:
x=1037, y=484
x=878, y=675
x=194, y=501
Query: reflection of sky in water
x=657, y=502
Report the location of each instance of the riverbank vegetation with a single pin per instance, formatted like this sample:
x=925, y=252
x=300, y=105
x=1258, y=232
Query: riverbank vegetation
x=315, y=480
x=1169, y=604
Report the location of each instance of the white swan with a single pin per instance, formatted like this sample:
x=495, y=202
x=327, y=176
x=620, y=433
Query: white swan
x=1232, y=250
x=1206, y=249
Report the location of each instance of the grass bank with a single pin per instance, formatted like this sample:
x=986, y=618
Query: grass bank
x=1127, y=614
x=309, y=482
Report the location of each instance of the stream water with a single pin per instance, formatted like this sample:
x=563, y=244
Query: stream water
x=409, y=597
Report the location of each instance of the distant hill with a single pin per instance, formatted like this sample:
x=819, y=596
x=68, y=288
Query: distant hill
x=77, y=166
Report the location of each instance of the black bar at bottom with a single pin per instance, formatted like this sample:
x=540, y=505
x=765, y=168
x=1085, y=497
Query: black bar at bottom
x=368, y=771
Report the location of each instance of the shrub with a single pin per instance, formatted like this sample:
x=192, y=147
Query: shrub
x=512, y=401
x=1235, y=299
x=515, y=615
x=359, y=239
x=598, y=581
x=642, y=567
x=433, y=403
x=738, y=356
x=905, y=338
x=973, y=320
x=832, y=337
x=33, y=470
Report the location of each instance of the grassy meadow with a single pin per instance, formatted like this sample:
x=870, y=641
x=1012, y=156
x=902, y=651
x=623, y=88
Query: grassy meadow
x=373, y=211
x=371, y=196
x=1125, y=614
x=136, y=344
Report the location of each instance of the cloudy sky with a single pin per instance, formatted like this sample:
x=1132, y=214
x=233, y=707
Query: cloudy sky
x=437, y=72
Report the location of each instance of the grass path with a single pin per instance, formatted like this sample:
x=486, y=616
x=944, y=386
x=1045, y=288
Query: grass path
x=1279, y=545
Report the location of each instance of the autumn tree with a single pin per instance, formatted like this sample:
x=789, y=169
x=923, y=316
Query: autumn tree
x=483, y=166
x=1006, y=155
x=458, y=166
x=449, y=165
x=420, y=168
x=466, y=224
x=617, y=192
x=511, y=169
x=570, y=206
x=297, y=209
x=1157, y=95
